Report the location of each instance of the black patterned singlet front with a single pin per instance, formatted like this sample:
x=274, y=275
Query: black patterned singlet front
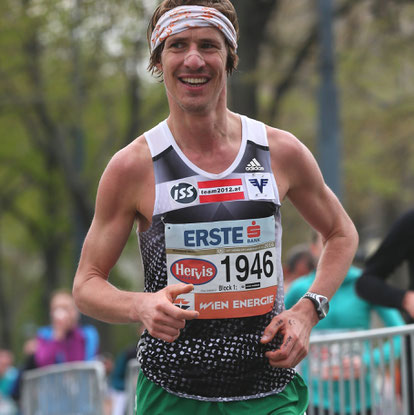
x=217, y=359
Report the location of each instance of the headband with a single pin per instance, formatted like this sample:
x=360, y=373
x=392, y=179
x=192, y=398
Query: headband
x=186, y=17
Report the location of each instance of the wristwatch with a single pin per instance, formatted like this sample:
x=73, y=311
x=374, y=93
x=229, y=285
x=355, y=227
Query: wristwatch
x=320, y=302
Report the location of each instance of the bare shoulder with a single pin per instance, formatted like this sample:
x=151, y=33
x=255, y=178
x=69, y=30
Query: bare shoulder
x=130, y=161
x=127, y=176
x=292, y=162
x=285, y=145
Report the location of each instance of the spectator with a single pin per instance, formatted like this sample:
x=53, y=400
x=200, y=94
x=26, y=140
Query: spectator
x=8, y=373
x=347, y=312
x=8, y=377
x=299, y=262
x=64, y=340
x=396, y=249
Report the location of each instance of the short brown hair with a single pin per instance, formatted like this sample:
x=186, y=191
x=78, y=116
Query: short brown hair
x=223, y=6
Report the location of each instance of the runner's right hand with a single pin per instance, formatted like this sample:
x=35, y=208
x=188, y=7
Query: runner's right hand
x=160, y=317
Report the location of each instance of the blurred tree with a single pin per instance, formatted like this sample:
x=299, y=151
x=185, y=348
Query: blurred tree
x=70, y=97
x=377, y=63
x=253, y=19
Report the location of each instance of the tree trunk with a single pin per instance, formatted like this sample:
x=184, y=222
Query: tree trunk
x=253, y=18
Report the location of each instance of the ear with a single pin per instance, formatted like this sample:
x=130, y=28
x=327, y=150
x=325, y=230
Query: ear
x=159, y=67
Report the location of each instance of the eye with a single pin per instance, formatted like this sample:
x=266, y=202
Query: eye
x=176, y=45
x=208, y=45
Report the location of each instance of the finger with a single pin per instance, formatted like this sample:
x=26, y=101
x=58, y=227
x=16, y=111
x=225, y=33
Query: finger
x=166, y=320
x=177, y=289
x=270, y=331
x=289, y=354
x=165, y=336
x=299, y=352
x=163, y=332
x=177, y=313
x=280, y=360
x=277, y=356
x=167, y=331
x=180, y=314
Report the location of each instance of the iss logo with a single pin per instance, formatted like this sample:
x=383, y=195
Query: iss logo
x=183, y=193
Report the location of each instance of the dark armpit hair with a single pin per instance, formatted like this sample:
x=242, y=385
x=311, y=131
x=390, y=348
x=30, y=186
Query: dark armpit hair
x=223, y=6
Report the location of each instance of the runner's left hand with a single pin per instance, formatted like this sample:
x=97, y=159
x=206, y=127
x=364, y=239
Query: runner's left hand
x=295, y=326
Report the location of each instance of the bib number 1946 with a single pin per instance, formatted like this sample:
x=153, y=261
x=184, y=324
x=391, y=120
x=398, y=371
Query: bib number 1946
x=261, y=265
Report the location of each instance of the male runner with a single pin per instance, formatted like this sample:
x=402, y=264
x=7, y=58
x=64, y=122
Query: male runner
x=205, y=188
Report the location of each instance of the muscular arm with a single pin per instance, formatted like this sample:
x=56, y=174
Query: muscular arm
x=122, y=197
x=115, y=213
x=300, y=179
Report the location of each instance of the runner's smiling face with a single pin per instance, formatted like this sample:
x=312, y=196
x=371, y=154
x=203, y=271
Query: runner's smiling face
x=193, y=63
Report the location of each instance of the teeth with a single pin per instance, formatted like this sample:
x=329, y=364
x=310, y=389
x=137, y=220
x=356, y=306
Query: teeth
x=195, y=81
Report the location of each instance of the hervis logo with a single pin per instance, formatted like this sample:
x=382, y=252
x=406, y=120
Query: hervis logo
x=193, y=271
x=183, y=193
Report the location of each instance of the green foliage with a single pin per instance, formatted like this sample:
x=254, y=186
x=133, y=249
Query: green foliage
x=64, y=112
x=374, y=67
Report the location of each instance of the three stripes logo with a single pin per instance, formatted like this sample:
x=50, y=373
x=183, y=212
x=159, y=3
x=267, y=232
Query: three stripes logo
x=254, y=165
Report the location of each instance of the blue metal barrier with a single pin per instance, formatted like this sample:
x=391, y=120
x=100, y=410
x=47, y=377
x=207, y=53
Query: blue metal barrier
x=66, y=389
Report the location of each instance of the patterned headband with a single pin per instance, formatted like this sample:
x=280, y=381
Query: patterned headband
x=186, y=17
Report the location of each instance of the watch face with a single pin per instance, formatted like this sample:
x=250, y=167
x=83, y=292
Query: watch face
x=324, y=305
x=321, y=304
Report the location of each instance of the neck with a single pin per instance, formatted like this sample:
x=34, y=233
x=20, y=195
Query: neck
x=201, y=131
x=201, y=128
x=211, y=141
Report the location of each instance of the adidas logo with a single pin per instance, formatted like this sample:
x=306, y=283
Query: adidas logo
x=254, y=165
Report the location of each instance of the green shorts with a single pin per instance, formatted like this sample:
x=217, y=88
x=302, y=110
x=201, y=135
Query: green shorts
x=153, y=400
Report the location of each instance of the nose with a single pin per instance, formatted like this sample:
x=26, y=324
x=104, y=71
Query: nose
x=193, y=59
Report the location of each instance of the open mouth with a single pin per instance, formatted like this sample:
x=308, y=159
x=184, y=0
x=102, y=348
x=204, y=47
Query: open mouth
x=194, y=81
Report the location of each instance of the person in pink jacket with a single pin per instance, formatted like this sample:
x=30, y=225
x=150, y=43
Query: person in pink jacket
x=64, y=340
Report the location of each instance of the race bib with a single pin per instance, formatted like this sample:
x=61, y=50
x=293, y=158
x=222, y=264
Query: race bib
x=232, y=265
